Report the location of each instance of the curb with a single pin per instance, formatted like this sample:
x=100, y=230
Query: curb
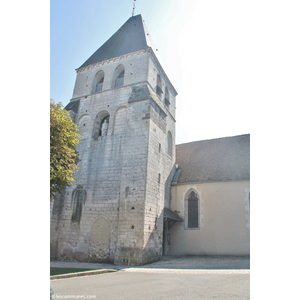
x=86, y=273
x=188, y=271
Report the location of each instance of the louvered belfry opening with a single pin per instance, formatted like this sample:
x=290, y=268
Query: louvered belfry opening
x=120, y=79
x=159, y=91
x=100, y=85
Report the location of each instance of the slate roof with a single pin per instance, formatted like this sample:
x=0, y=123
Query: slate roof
x=73, y=105
x=132, y=36
x=171, y=215
x=221, y=159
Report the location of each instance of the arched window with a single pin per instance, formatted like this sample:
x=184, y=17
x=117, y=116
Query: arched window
x=170, y=144
x=118, y=78
x=101, y=124
x=159, y=91
x=79, y=197
x=167, y=100
x=98, y=82
x=193, y=220
x=192, y=209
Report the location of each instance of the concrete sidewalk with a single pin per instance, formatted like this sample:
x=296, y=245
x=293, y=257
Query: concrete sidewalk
x=202, y=263
x=84, y=265
x=172, y=263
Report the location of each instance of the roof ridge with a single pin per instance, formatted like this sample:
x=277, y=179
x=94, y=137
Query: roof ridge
x=213, y=139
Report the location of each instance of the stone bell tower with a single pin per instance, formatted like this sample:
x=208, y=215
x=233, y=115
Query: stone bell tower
x=124, y=106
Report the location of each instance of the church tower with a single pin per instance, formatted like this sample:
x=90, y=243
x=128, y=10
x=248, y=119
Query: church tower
x=124, y=106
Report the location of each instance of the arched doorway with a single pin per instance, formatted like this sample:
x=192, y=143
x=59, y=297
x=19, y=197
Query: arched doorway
x=100, y=237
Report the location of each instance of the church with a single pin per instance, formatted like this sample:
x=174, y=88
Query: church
x=137, y=196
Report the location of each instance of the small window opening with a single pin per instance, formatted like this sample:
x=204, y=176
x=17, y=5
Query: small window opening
x=126, y=192
x=170, y=144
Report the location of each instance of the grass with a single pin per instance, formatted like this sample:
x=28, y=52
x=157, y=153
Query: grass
x=59, y=271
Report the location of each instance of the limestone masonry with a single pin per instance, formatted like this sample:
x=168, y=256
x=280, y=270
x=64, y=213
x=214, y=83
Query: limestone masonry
x=124, y=107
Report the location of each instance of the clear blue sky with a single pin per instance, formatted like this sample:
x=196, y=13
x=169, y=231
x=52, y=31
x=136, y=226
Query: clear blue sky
x=216, y=54
x=78, y=28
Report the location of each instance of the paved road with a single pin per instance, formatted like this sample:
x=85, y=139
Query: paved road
x=157, y=284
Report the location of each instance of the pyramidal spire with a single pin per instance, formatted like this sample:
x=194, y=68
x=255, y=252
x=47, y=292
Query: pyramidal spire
x=131, y=37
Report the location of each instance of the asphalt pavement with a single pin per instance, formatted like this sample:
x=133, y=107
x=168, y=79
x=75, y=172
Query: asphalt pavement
x=189, y=277
x=123, y=285
x=172, y=262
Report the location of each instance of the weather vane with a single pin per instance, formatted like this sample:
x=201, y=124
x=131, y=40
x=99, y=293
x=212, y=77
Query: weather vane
x=133, y=7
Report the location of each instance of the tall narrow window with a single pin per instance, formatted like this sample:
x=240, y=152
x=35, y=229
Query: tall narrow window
x=167, y=100
x=192, y=210
x=77, y=205
x=159, y=91
x=118, y=78
x=170, y=144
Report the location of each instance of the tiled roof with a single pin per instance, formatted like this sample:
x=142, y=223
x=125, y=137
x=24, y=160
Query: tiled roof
x=220, y=159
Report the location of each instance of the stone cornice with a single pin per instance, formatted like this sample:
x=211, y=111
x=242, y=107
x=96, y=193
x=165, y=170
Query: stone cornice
x=113, y=59
x=150, y=50
x=211, y=181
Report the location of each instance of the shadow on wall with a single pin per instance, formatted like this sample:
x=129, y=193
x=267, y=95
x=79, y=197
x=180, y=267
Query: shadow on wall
x=57, y=208
x=150, y=252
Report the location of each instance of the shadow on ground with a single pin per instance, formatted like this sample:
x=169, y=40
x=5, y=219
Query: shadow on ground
x=173, y=262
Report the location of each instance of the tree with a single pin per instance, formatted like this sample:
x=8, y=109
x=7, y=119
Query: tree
x=64, y=137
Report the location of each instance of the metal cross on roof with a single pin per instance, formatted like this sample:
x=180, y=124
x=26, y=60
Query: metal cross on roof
x=133, y=7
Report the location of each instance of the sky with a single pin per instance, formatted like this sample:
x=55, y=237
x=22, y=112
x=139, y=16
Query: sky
x=232, y=62
x=202, y=46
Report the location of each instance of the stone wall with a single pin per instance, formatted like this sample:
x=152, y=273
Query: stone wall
x=113, y=211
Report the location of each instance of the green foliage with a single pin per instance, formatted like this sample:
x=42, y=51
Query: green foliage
x=64, y=137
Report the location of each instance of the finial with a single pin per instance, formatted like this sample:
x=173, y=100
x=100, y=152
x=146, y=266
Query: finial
x=133, y=7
